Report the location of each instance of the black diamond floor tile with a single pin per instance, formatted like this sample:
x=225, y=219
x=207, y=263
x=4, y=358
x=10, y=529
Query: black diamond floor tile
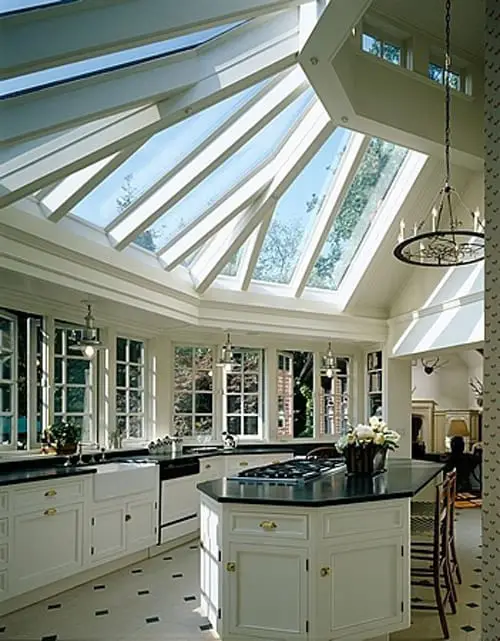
x=152, y=619
x=190, y=598
x=101, y=613
x=50, y=637
x=478, y=570
x=472, y=604
x=142, y=592
x=167, y=558
x=467, y=628
x=136, y=571
x=54, y=606
x=205, y=626
x=476, y=586
x=99, y=587
x=177, y=576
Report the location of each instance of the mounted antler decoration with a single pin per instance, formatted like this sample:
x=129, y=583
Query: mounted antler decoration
x=432, y=366
x=478, y=389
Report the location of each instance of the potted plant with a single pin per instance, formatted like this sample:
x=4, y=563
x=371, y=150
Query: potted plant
x=65, y=435
x=365, y=447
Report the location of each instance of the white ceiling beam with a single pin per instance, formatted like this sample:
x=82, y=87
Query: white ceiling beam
x=273, y=51
x=72, y=151
x=212, y=259
x=40, y=40
x=229, y=59
x=314, y=244
x=249, y=260
x=196, y=234
x=230, y=138
x=70, y=191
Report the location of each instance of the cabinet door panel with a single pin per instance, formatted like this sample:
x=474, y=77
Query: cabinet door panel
x=141, y=523
x=267, y=592
x=47, y=546
x=179, y=498
x=108, y=533
x=363, y=590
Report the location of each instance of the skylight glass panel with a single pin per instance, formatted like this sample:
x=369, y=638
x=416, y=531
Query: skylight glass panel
x=375, y=176
x=229, y=173
x=232, y=266
x=156, y=158
x=110, y=61
x=297, y=210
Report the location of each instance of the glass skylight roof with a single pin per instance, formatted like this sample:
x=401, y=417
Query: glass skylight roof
x=232, y=190
x=117, y=60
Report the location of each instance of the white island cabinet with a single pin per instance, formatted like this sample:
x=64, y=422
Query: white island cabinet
x=325, y=561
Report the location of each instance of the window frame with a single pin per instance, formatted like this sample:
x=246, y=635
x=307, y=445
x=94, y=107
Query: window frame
x=260, y=395
x=456, y=71
x=323, y=433
x=143, y=389
x=384, y=39
x=13, y=382
x=93, y=415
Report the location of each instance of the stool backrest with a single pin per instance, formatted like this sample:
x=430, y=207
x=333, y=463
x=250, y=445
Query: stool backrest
x=322, y=452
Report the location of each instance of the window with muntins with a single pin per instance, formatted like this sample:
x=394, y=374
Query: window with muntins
x=295, y=394
x=193, y=391
x=437, y=73
x=74, y=383
x=334, y=406
x=130, y=388
x=8, y=384
x=242, y=386
x=380, y=48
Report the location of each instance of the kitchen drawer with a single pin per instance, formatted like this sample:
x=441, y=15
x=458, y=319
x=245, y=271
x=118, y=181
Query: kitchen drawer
x=238, y=463
x=4, y=502
x=4, y=584
x=269, y=525
x=278, y=457
x=40, y=495
x=211, y=468
x=4, y=553
x=345, y=521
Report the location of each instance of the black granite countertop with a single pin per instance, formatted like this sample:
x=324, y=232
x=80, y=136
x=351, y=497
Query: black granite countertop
x=29, y=475
x=404, y=478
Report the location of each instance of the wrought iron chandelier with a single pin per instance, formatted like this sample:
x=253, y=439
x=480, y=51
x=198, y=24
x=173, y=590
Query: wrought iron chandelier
x=440, y=240
x=89, y=341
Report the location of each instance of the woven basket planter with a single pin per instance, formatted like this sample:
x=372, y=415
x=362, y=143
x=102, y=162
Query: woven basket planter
x=365, y=460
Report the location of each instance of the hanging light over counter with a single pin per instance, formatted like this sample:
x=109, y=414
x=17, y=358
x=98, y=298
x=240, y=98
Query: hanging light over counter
x=227, y=357
x=89, y=343
x=440, y=240
x=329, y=368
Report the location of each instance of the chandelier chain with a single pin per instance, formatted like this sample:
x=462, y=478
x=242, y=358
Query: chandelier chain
x=447, y=89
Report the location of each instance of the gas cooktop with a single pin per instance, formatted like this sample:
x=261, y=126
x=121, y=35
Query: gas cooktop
x=288, y=473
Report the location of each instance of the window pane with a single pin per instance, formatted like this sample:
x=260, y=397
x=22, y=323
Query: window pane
x=233, y=382
x=5, y=430
x=371, y=45
x=203, y=403
x=183, y=403
x=136, y=351
x=5, y=397
x=135, y=402
x=183, y=358
x=454, y=80
x=297, y=210
x=58, y=400
x=251, y=383
x=183, y=425
x=251, y=361
x=203, y=424
x=233, y=425
x=121, y=349
x=250, y=425
x=58, y=370
x=77, y=371
x=59, y=339
x=6, y=334
x=72, y=338
x=203, y=381
x=135, y=376
x=392, y=53
x=77, y=400
x=121, y=375
x=135, y=426
x=233, y=404
x=121, y=401
x=203, y=358
x=250, y=404
x=5, y=368
x=375, y=175
x=436, y=73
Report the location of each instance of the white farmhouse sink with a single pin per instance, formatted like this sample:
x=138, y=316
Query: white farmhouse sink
x=121, y=479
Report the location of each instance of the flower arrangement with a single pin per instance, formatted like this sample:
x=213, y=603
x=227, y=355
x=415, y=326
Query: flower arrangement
x=375, y=433
x=65, y=435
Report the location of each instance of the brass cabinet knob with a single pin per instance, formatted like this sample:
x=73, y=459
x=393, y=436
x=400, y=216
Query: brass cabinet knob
x=231, y=566
x=50, y=511
x=325, y=571
x=269, y=526
x=208, y=466
x=50, y=493
x=243, y=463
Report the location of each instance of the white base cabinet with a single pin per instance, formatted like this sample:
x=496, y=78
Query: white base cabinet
x=336, y=573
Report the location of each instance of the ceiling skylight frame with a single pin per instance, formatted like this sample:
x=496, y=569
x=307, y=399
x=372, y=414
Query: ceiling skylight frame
x=313, y=244
x=210, y=155
x=251, y=256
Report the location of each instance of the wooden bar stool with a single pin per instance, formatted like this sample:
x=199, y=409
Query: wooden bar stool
x=430, y=546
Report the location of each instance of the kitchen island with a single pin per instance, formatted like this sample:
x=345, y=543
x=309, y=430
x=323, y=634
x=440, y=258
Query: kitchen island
x=324, y=560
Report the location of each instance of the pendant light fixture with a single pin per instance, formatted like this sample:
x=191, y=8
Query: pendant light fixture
x=329, y=368
x=227, y=357
x=440, y=240
x=89, y=342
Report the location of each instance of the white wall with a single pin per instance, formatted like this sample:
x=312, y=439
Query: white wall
x=448, y=386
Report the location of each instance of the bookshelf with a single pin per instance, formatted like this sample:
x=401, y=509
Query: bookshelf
x=374, y=383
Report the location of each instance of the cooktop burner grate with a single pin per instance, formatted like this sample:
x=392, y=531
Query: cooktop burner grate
x=288, y=473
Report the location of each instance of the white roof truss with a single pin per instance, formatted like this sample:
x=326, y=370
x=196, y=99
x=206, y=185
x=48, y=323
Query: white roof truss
x=253, y=48
x=251, y=255
x=270, y=53
x=42, y=39
x=229, y=139
x=329, y=210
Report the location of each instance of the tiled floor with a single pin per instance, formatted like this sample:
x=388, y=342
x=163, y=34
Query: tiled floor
x=158, y=601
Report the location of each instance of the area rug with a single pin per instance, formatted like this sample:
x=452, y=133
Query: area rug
x=467, y=500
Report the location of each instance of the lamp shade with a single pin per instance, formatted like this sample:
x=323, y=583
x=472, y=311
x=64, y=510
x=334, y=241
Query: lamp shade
x=458, y=427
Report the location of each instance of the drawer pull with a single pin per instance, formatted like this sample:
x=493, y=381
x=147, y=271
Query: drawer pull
x=50, y=511
x=268, y=526
x=231, y=566
x=208, y=466
x=243, y=463
x=50, y=493
x=325, y=571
